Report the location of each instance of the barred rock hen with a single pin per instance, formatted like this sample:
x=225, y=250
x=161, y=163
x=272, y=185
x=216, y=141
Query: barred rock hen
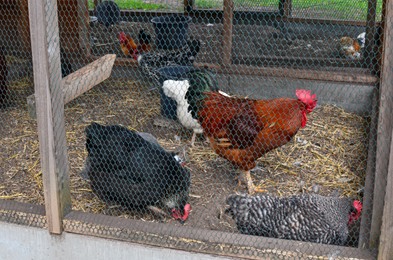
x=312, y=218
x=126, y=169
x=241, y=130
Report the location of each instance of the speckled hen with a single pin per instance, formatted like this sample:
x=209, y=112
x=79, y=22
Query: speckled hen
x=312, y=218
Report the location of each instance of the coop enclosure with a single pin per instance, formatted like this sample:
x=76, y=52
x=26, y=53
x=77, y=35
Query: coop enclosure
x=68, y=63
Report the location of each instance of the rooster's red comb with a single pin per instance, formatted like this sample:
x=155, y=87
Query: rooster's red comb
x=122, y=36
x=306, y=97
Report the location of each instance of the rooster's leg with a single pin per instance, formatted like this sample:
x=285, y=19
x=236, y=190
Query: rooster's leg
x=193, y=139
x=250, y=185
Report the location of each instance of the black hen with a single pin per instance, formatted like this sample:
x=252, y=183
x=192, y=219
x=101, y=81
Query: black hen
x=126, y=169
x=151, y=61
x=311, y=218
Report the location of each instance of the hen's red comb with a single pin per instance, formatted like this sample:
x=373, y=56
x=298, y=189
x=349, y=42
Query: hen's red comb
x=358, y=205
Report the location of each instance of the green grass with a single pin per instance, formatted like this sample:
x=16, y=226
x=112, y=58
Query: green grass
x=134, y=5
x=336, y=9
x=324, y=9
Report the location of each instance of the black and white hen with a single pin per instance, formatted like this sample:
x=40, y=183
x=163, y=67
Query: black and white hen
x=150, y=61
x=126, y=169
x=311, y=218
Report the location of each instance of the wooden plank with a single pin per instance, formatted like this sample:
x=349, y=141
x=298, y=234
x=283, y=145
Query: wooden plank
x=356, y=75
x=227, y=32
x=209, y=241
x=365, y=222
x=23, y=25
x=370, y=31
x=385, y=244
x=382, y=221
x=84, y=28
x=50, y=108
x=81, y=80
x=335, y=76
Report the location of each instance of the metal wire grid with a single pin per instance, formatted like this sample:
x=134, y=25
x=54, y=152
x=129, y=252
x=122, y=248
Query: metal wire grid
x=133, y=98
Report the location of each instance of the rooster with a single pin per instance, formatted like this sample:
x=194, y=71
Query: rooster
x=241, y=130
x=130, y=48
x=197, y=80
x=126, y=169
x=311, y=218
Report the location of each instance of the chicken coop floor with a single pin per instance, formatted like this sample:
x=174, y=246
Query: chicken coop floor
x=328, y=156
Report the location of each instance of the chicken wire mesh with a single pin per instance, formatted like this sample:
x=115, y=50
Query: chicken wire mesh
x=132, y=151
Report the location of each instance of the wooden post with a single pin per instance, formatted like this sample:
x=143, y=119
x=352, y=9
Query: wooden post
x=84, y=23
x=385, y=126
x=385, y=210
x=285, y=8
x=227, y=32
x=188, y=6
x=45, y=43
x=370, y=32
x=364, y=234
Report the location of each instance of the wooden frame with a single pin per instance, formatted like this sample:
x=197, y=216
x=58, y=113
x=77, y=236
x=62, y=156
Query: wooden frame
x=382, y=222
x=51, y=94
x=50, y=106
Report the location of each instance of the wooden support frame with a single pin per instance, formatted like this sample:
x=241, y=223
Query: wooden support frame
x=49, y=98
x=382, y=221
x=188, y=6
x=227, y=32
x=285, y=8
x=385, y=126
x=80, y=81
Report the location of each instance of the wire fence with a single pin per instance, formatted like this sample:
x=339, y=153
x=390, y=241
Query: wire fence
x=230, y=118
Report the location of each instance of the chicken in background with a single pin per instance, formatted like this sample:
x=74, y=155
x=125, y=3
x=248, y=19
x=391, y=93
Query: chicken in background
x=149, y=62
x=241, y=130
x=4, y=95
x=126, y=169
x=128, y=45
x=351, y=48
x=144, y=41
x=130, y=48
x=198, y=81
x=307, y=217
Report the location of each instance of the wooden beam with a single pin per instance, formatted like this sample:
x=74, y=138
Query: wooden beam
x=385, y=126
x=227, y=32
x=382, y=221
x=81, y=80
x=285, y=8
x=355, y=75
x=370, y=32
x=84, y=28
x=50, y=109
x=188, y=6
x=385, y=244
